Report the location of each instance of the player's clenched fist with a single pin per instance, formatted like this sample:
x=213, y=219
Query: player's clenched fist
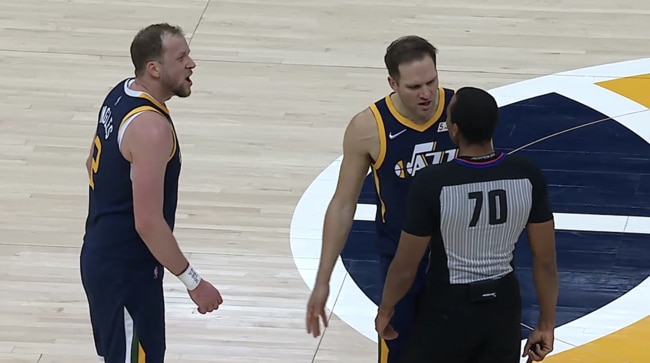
x=206, y=297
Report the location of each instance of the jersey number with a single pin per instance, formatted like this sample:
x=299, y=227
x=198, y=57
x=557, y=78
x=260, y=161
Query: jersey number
x=95, y=161
x=497, y=207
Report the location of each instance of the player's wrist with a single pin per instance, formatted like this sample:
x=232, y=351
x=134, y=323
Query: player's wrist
x=190, y=277
x=322, y=281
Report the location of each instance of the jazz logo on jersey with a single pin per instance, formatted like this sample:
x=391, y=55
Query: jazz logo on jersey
x=423, y=155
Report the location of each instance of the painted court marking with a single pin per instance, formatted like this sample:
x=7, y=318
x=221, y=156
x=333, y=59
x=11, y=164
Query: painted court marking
x=616, y=90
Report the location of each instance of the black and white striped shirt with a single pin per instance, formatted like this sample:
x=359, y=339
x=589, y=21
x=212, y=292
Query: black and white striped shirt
x=475, y=211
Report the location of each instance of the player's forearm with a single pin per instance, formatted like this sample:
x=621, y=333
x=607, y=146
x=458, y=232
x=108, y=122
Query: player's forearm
x=338, y=222
x=546, y=284
x=163, y=246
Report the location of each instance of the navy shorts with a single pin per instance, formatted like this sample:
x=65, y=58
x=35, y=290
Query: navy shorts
x=403, y=320
x=127, y=308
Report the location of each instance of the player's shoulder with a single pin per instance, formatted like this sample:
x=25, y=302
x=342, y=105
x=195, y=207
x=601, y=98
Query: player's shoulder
x=362, y=123
x=151, y=121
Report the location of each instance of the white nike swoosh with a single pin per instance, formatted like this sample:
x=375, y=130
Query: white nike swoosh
x=392, y=136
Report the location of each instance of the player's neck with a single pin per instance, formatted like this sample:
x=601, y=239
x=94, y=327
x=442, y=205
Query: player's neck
x=411, y=116
x=473, y=150
x=151, y=88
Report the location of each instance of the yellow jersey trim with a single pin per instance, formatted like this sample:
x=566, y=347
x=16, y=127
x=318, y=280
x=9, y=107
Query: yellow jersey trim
x=150, y=108
x=382, y=136
x=415, y=126
x=148, y=97
x=380, y=158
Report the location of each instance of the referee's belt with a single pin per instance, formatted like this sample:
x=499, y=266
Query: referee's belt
x=486, y=290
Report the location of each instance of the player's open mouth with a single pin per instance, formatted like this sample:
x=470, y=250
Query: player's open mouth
x=425, y=104
x=188, y=80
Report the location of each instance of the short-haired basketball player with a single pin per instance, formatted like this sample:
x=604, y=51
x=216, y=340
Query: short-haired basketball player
x=134, y=166
x=396, y=136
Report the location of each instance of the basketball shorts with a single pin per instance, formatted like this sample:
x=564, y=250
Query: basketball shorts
x=126, y=306
x=468, y=324
x=403, y=319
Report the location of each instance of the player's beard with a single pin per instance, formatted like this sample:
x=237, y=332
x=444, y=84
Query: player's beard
x=183, y=89
x=180, y=89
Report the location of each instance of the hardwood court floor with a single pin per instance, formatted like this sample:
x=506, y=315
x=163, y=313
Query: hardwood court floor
x=275, y=85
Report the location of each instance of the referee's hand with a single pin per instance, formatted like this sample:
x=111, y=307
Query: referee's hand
x=539, y=344
x=382, y=324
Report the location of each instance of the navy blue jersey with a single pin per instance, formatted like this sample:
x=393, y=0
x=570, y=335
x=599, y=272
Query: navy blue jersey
x=110, y=225
x=405, y=148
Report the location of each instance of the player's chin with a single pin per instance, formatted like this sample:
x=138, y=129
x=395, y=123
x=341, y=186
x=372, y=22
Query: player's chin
x=183, y=92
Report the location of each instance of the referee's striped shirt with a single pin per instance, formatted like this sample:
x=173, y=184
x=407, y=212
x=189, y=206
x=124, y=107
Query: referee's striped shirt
x=475, y=209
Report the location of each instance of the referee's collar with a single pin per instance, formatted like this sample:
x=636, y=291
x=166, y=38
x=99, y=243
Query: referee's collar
x=481, y=161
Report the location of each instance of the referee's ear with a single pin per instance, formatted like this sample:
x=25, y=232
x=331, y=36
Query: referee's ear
x=453, y=131
x=452, y=127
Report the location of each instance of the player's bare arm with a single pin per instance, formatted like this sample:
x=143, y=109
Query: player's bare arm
x=360, y=143
x=541, y=237
x=147, y=144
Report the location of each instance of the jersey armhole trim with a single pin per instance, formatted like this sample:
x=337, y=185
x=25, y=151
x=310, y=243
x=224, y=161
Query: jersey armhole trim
x=126, y=121
x=382, y=137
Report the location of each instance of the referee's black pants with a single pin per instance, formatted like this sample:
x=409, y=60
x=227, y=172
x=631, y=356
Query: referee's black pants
x=474, y=323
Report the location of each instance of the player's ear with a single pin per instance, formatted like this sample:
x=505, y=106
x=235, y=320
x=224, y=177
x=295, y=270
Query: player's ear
x=153, y=68
x=392, y=83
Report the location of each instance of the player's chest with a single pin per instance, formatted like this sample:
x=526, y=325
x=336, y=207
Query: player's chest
x=408, y=151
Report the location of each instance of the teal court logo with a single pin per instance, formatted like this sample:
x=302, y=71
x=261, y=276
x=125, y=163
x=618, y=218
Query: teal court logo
x=589, y=130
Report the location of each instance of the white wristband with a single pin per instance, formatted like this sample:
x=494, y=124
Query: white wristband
x=190, y=278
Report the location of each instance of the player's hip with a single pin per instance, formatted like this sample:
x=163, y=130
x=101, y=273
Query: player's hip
x=124, y=247
x=118, y=267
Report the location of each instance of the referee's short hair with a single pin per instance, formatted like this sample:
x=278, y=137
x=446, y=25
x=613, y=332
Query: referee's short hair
x=476, y=114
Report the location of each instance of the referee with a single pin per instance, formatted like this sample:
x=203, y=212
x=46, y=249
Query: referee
x=471, y=212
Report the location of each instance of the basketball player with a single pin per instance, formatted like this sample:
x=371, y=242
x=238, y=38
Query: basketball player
x=396, y=137
x=470, y=213
x=134, y=166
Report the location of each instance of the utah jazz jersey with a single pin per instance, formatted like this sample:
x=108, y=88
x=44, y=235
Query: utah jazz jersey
x=110, y=225
x=405, y=148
